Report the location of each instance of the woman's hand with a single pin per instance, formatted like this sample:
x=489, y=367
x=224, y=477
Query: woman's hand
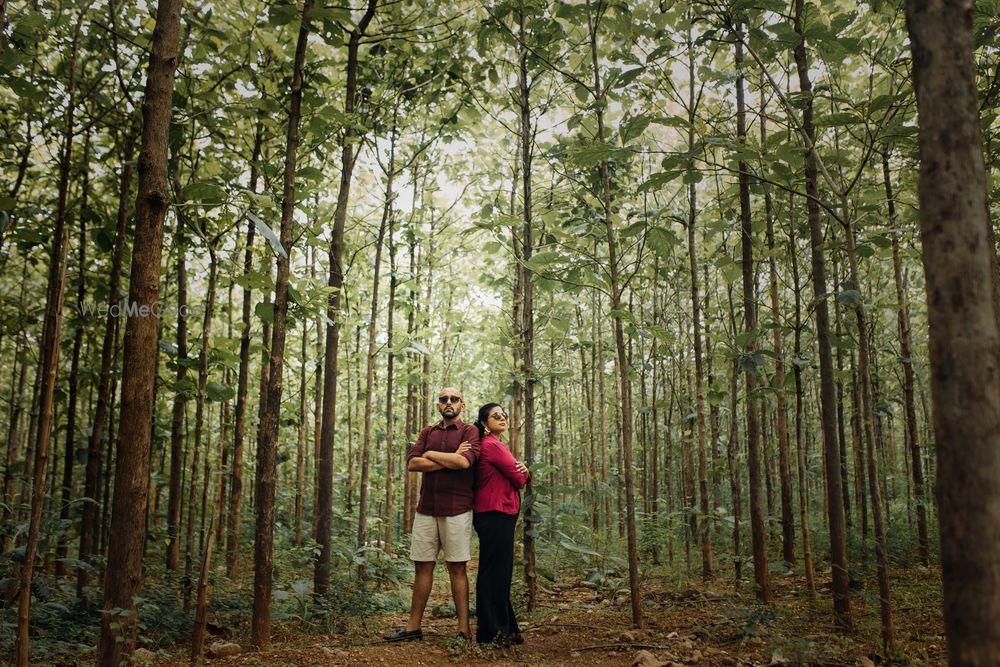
x=521, y=468
x=464, y=447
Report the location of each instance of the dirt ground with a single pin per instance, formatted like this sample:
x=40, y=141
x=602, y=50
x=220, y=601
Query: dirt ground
x=711, y=626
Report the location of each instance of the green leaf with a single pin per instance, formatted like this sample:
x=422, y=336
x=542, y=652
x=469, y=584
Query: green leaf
x=593, y=154
x=7, y=203
x=849, y=297
x=310, y=173
x=268, y=233
x=217, y=392
x=662, y=241
x=208, y=194
x=265, y=311
x=838, y=119
x=633, y=128
x=544, y=260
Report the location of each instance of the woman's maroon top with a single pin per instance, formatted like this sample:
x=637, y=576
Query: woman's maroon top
x=497, y=478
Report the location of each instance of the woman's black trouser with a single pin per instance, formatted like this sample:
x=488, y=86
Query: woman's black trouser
x=494, y=613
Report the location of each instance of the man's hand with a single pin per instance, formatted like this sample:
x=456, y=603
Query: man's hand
x=452, y=461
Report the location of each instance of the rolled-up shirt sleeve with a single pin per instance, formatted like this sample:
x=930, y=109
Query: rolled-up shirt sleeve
x=471, y=436
x=419, y=447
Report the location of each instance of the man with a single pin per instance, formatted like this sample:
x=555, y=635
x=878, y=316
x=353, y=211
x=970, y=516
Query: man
x=445, y=452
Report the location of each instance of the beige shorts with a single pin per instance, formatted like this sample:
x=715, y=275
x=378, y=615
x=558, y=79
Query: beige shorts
x=433, y=533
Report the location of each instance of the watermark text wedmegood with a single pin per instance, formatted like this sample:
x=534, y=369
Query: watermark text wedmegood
x=126, y=308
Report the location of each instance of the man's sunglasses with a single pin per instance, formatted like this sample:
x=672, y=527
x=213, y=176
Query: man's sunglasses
x=444, y=400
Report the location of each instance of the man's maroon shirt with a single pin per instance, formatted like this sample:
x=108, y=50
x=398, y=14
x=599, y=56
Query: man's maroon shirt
x=447, y=492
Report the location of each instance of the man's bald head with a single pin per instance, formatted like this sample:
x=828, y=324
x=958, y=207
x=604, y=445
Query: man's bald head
x=450, y=403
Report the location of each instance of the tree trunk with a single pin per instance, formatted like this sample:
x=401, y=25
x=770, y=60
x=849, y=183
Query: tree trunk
x=735, y=492
x=300, y=450
x=527, y=327
x=199, y=424
x=201, y=606
x=828, y=416
x=271, y=412
x=781, y=399
x=69, y=457
x=178, y=431
x=868, y=418
x=239, y=429
x=95, y=445
x=124, y=570
x=906, y=352
x=625, y=386
x=49, y=366
x=384, y=227
x=800, y=450
x=324, y=522
x=757, y=533
x=390, y=359
x=960, y=269
x=699, y=372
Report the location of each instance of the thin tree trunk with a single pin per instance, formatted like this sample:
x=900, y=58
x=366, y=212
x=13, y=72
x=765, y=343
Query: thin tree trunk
x=300, y=450
x=371, y=353
x=178, y=433
x=527, y=327
x=868, y=419
x=906, y=353
x=270, y=413
x=390, y=359
x=201, y=606
x=781, y=400
x=199, y=425
x=69, y=456
x=324, y=522
x=699, y=372
x=841, y=430
x=757, y=532
x=828, y=417
x=239, y=429
x=735, y=492
x=49, y=366
x=625, y=386
x=800, y=450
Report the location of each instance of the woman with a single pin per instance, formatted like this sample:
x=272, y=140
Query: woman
x=497, y=503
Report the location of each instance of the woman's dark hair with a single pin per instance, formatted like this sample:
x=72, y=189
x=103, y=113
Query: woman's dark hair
x=484, y=414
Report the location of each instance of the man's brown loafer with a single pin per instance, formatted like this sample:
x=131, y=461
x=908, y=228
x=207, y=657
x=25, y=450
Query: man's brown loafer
x=403, y=635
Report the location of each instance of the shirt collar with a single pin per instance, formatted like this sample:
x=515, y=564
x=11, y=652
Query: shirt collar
x=458, y=423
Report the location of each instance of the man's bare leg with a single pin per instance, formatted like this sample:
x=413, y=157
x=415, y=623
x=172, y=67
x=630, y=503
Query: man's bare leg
x=422, y=583
x=460, y=594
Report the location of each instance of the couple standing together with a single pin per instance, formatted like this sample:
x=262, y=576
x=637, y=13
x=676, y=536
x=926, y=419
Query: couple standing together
x=470, y=479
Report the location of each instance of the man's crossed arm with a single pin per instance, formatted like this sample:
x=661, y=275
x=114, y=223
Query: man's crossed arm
x=432, y=460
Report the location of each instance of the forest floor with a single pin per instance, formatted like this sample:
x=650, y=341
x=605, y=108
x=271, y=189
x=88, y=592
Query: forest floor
x=711, y=625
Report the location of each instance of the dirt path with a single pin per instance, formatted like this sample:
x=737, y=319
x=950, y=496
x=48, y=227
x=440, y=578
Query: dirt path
x=718, y=626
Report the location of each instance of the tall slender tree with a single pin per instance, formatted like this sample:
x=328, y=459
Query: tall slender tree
x=267, y=446
x=324, y=522
x=124, y=572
